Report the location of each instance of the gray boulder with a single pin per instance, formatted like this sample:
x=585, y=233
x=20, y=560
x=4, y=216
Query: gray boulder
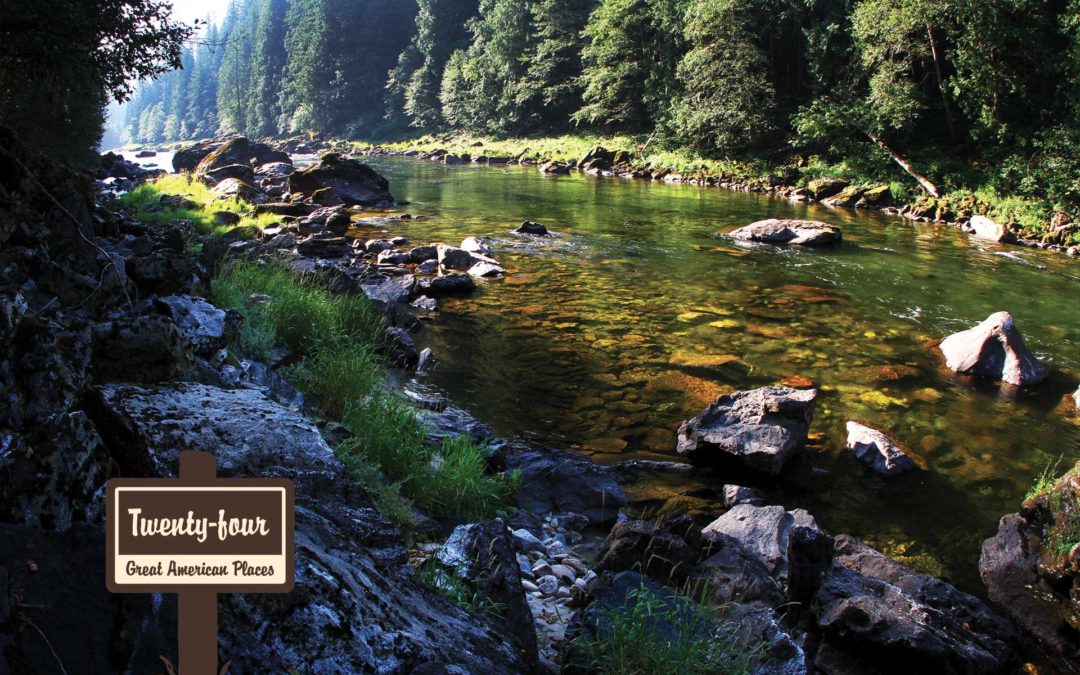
x=761, y=428
x=207, y=328
x=994, y=349
x=878, y=450
x=782, y=231
x=763, y=531
x=886, y=617
x=458, y=259
x=141, y=349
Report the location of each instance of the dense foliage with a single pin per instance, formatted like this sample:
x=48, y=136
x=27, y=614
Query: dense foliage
x=61, y=61
x=956, y=87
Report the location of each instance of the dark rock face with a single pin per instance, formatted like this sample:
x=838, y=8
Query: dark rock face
x=141, y=349
x=661, y=552
x=241, y=172
x=205, y=327
x=482, y=556
x=878, y=450
x=553, y=480
x=761, y=428
x=345, y=181
x=1030, y=577
x=777, y=231
x=449, y=284
x=889, y=618
x=736, y=575
x=188, y=158
x=994, y=349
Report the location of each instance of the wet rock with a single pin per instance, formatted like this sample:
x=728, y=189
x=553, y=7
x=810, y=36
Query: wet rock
x=342, y=181
x=206, y=328
x=482, y=556
x=596, y=153
x=453, y=258
x=761, y=428
x=333, y=219
x=869, y=606
x=393, y=258
x=763, y=531
x=531, y=227
x=425, y=303
x=449, y=284
x=994, y=349
x=554, y=480
x=849, y=196
x=779, y=231
x=555, y=168
x=660, y=552
x=809, y=556
x=876, y=197
x=387, y=292
x=141, y=349
x=878, y=450
x=737, y=494
x=985, y=228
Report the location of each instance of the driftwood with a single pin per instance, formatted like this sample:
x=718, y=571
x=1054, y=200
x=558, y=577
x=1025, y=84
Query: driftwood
x=923, y=181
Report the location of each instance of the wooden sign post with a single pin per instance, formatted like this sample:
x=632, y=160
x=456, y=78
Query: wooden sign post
x=197, y=536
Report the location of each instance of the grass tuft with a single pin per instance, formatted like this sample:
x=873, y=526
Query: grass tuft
x=145, y=203
x=340, y=368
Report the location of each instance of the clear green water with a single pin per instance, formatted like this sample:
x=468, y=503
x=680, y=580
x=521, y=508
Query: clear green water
x=606, y=337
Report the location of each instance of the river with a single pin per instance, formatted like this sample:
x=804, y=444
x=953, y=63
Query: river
x=635, y=316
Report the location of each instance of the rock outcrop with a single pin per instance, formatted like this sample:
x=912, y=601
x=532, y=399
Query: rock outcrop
x=778, y=231
x=336, y=180
x=760, y=429
x=554, y=480
x=994, y=349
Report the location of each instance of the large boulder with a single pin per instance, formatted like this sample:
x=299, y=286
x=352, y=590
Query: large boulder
x=481, y=556
x=452, y=258
x=140, y=349
x=983, y=227
x=664, y=552
x=827, y=187
x=342, y=181
x=884, y=617
x=186, y=159
x=760, y=429
x=234, y=188
x=994, y=349
x=1030, y=576
x=555, y=480
x=783, y=231
x=239, y=151
x=763, y=531
x=206, y=328
x=878, y=450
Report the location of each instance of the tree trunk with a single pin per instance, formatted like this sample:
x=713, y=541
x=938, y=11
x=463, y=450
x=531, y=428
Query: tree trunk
x=922, y=180
x=940, y=82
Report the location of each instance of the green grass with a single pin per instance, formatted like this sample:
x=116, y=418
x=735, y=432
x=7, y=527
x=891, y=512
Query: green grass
x=145, y=203
x=342, y=371
x=450, y=584
x=652, y=634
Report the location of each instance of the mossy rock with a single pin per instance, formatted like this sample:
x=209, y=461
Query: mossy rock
x=876, y=196
x=827, y=187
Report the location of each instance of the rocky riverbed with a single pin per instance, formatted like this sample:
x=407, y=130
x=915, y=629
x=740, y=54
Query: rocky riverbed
x=112, y=362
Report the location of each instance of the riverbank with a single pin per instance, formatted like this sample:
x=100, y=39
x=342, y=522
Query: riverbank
x=1021, y=221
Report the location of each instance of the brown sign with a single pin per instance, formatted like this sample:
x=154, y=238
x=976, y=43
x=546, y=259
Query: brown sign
x=198, y=535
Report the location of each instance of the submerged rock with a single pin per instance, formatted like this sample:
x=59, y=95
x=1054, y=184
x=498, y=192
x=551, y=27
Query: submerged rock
x=878, y=450
x=761, y=428
x=778, y=231
x=994, y=349
x=341, y=181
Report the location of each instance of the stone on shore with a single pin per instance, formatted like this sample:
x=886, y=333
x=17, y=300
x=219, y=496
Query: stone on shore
x=761, y=428
x=556, y=480
x=341, y=181
x=782, y=231
x=878, y=450
x=994, y=349
x=761, y=530
x=987, y=228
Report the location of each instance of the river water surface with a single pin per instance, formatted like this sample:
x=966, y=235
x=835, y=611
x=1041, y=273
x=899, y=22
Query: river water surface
x=635, y=316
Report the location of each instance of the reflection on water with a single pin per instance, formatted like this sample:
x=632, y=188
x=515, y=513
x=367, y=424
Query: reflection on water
x=605, y=337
